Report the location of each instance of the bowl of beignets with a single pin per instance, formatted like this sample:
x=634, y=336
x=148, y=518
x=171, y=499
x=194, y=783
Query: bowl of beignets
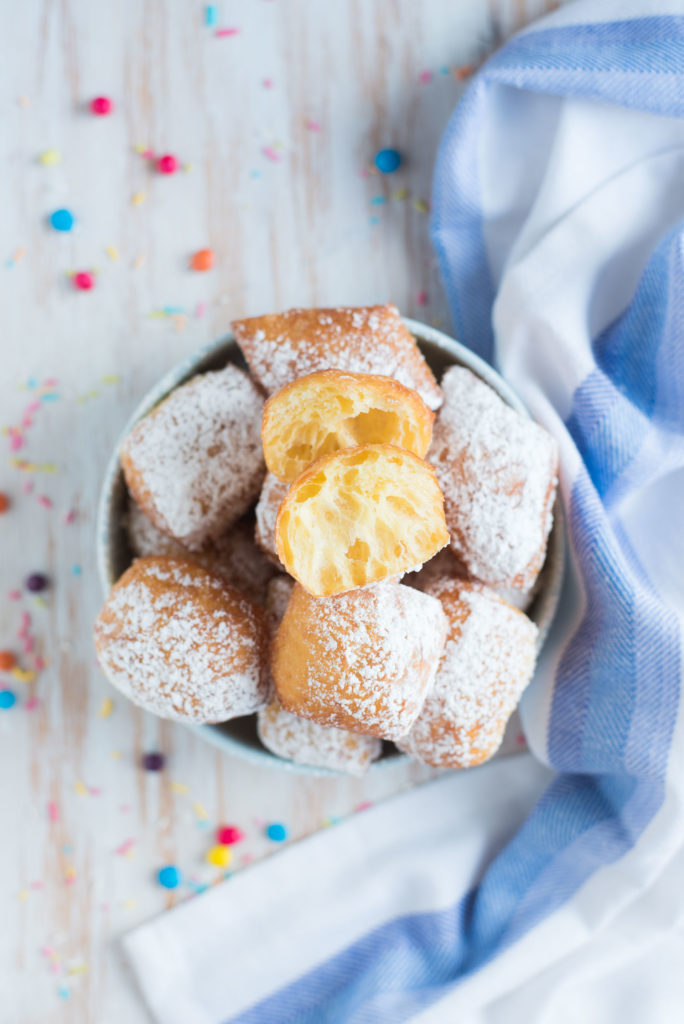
x=330, y=541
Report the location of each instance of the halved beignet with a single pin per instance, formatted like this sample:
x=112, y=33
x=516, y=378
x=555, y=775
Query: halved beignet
x=368, y=339
x=498, y=471
x=361, y=661
x=333, y=409
x=268, y=506
x=178, y=641
x=487, y=662
x=194, y=463
x=359, y=516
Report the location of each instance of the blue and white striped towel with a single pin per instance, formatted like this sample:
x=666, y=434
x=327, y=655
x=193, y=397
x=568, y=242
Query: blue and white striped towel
x=558, y=220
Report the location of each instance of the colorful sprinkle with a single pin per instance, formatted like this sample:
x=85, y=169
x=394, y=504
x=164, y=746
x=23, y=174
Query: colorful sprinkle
x=276, y=832
x=84, y=281
x=80, y=788
x=421, y=206
x=53, y=811
x=167, y=164
x=270, y=154
x=36, y=582
x=62, y=220
x=101, y=106
x=153, y=762
x=180, y=787
x=7, y=699
x=170, y=877
x=50, y=158
x=4, y=503
x=421, y=298
x=138, y=198
x=106, y=707
x=378, y=201
x=229, y=835
x=464, y=72
x=44, y=501
x=267, y=83
x=7, y=661
x=223, y=33
x=200, y=811
x=203, y=259
x=210, y=15
x=313, y=126
x=387, y=160
x=126, y=848
x=219, y=856
x=24, y=675
x=425, y=77
x=112, y=252
x=76, y=570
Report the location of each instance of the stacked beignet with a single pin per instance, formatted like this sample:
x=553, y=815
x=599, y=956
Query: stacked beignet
x=360, y=490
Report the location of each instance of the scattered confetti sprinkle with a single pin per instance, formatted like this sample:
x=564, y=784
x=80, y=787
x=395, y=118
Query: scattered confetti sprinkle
x=101, y=106
x=387, y=160
x=131, y=904
x=203, y=259
x=378, y=201
x=421, y=206
x=36, y=582
x=32, y=704
x=126, y=848
x=63, y=992
x=14, y=595
x=223, y=33
x=425, y=77
x=373, y=220
x=464, y=72
x=4, y=503
x=24, y=101
x=313, y=126
x=154, y=762
x=70, y=517
x=421, y=298
x=84, y=281
x=400, y=193
x=276, y=832
x=80, y=788
x=70, y=875
x=167, y=164
x=106, y=707
x=24, y=675
x=210, y=15
x=76, y=570
x=267, y=83
x=219, y=856
x=364, y=805
x=180, y=787
x=45, y=501
x=270, y=154
x=7, y=661
x=170, y=877
x=229, y=835
x=200, y=310
x=138, y=198
x=53, y=811
x=62, y=220
x=200, y=811
x=7, y=700
x=112, y=252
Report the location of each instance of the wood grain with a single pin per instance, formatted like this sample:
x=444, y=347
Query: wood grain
x=311, y=227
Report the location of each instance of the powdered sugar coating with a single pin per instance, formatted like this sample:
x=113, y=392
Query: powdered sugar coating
x=487, y=662
x=178, y=641
x=234, y=556
x=446, y=564
x=195, y=463
x=270, y=500
x=372, y=339
x=299, y=739
x=362, y=660
x=498, y=472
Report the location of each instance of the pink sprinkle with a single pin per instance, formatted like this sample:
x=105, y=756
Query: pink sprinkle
x=421, y=298
x=70, y=517
x=94, y=790
x=45, y=501
x=36, y=885
x=27, y=486
x=271, y=154
x=247, y=858
x=313, y=126
x=27, y=421
x=47, y=951
x=32, y=703
x=268, y=83
x=147, y=154
x=124, y=807
x=51, y=382
x=31, y=408
x=127, y=845
x=16, y=440
x=70, y=880
x=29, y=644
x=223, y=32
x=25, y=623
x=520, y=739
x=39, y=663
x=200, y=310
x=14, y=595
x=425, y=77
x=364, y=806
x=53, y=811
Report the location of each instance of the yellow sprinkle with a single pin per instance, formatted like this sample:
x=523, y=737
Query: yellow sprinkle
x=141, y=149
x=116, y=754
x=70, y=872
x=50, y=157
x=112, y=252
x=39, y=602
x=219, y=856
x=200, y=811
x=401, y=193
x=180, y=787
x=23, y=675
x=156, y=314
x=111, y=378
x=139, y=198
x=421, y=206
x=129, y=904
x=78, y=969
x=106, y=708
x=187, y=167
x=49, y=467
x=81, y=789
x=23, y=894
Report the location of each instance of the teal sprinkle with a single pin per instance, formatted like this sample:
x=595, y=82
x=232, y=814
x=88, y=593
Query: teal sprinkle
x=173, y=310
x=63, y=992
x=76, y=570
x=210, y=15
x=373, y=220
x=31, y=383
x=378, y=201
x=50, y=396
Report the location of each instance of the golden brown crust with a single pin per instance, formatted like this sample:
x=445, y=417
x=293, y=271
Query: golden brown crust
x=180, y=642
x=280, y=347
x=334, y=409
x=487, y=662
x=361, y=661
x=359, y=516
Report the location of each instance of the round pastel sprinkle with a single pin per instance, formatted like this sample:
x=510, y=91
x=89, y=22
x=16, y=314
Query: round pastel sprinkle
x=167, y=164
x=101, y=106
x=62, y=220
x=387, y=160
x=170, y=877
x=84, y=280
x=36, y=582
x=4, y=503
x=219, y=856
x=228, y=835
x=50, y=157
x=7, y=700
x=7, y=662
x=153, y=762
x=203, y=259
x=276, y=832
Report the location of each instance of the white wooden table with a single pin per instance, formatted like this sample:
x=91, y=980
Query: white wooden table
x=278, y=124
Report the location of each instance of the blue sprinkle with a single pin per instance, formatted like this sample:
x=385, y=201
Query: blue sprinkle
x=173, y=310
x=63, y=992
x=210, y=15
x=444, y=71
x=67, y=850
x=378, y=201
x=373, y=220
x=276, y=832
x=170, y=877
x=7, y=699
x=62, y=220
x=387, y=161
x=76, y=570
x=255, y=174
x=50, y=396
x=31, y=383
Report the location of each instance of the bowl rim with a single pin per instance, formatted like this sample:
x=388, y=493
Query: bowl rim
x=187, y=368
